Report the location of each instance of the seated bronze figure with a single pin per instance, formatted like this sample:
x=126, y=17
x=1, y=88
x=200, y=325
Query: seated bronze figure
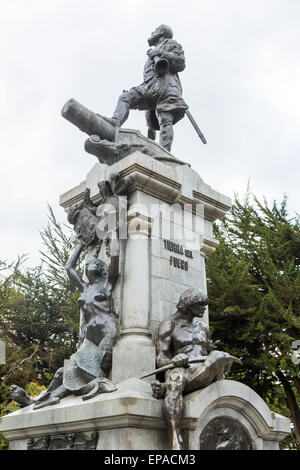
x=184, y=343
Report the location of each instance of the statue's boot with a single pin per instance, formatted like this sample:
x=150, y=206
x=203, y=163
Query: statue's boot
x=121, y=113
x=166, y=133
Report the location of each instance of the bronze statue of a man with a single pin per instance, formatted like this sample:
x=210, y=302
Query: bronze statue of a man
x=160, y=94
x=183, y=338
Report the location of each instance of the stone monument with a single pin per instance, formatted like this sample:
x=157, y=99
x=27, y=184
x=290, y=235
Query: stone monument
x=144, y=221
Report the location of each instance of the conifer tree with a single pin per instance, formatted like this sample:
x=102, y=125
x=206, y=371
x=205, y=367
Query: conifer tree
x=254, y=290
x=39, y=315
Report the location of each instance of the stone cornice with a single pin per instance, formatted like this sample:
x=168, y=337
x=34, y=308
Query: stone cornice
x=212, y=201
x=159, y=180
x=127, y=407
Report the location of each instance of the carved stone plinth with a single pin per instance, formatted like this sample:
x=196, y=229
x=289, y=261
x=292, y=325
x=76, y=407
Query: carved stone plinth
x=131, y=418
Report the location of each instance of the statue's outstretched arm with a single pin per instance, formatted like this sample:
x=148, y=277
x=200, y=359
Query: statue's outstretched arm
x=70, y=267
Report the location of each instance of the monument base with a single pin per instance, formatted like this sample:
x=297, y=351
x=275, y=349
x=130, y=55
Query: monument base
x=228, y=415
x=133, y=355
x=225, y=415
x=172, y=210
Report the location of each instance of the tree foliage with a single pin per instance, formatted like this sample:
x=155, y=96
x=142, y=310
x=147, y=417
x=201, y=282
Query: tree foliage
x=39, y=315
x=253, y=286
x=254, y=290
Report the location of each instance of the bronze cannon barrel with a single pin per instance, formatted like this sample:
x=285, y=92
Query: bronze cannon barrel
x=87, y=121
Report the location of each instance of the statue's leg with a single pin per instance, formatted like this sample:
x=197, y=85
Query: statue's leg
x=121, y=112
x=216, y=363
x=55, y=391
x=166, y=134
x=211, y=370
x=57, y=380
x=173, y=406
x=53, y=398
x=131, y=99
x=19, y=395
x=152, y=123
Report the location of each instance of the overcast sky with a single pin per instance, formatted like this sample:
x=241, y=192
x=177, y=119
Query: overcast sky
x=242, y=83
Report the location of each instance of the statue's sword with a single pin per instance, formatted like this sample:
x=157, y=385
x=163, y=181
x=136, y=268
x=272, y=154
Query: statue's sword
x=195, y=126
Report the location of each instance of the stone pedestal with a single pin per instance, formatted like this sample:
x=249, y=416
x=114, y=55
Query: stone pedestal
x=131, y=419
x=171, y=212
x=170, y=231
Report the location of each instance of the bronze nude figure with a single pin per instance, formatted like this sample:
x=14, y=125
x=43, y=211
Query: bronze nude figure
x=88, y=374
x=181, y=339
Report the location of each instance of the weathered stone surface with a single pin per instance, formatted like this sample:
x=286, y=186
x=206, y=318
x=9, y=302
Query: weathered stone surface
x=131, y=406
x=169, y=254
x=130, y=418
x=133, y=355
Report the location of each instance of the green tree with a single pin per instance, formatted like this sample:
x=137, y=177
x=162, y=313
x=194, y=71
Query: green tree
x=254, y=289
x=39, y=315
